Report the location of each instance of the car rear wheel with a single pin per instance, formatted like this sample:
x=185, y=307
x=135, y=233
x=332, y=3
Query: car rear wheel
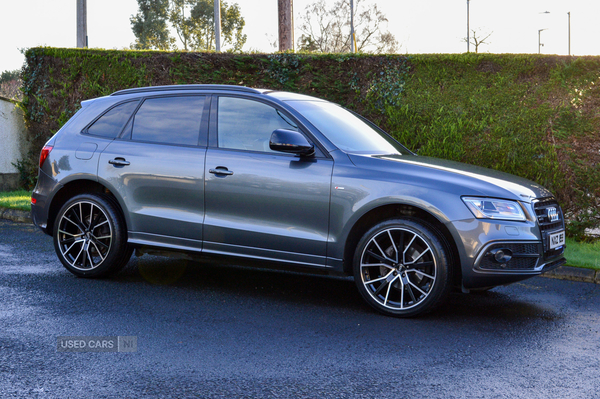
x=90, y=237
x=402, y=267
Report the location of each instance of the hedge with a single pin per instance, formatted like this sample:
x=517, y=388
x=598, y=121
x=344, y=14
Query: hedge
x=529, y=115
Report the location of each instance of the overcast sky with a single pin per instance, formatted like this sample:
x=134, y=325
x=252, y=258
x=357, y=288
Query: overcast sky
x=420, y=26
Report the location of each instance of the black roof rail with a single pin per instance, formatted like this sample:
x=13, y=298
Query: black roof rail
x=187, y=87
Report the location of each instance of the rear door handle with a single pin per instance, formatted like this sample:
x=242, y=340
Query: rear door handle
x=220, y=170
x=119, y=162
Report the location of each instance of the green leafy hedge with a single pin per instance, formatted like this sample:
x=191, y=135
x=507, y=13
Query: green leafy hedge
x=533, y=116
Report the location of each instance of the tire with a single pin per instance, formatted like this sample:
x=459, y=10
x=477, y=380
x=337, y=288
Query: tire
x=90, y=237
x=402, y=268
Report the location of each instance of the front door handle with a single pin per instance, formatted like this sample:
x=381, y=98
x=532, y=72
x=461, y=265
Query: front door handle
x=220, y=170
x=119, y=162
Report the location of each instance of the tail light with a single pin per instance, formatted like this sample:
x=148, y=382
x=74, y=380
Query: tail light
x=44, y=154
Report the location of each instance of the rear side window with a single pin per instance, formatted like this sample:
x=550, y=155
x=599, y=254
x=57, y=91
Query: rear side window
x=170, y=120
x=111, y=123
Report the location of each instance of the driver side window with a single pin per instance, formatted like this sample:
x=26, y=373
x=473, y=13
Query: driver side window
x=245, y=124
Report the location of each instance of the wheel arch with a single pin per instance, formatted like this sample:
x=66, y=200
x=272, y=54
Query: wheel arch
x=390, y=211
x=76, y=187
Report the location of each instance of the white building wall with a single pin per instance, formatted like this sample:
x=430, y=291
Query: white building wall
x=12, y=142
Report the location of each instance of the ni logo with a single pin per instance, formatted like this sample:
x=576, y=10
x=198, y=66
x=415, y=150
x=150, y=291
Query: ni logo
x=552, y=214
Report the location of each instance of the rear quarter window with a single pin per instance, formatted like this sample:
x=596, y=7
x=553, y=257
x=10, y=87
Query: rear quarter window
x=111, y=123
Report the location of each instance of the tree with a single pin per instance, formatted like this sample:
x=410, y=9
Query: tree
x=150, y=25
x=327, y=30
x=202, y=23
x=285, y=22
x=182, y=24
x=7, y=75
x=193, y=22
x=10, y=83
x=475, y=41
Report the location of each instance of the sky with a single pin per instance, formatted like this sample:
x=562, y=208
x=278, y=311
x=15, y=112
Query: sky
x=423, y=26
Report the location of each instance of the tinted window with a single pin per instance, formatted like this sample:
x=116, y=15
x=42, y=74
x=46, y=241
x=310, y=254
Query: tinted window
x=172, y=120
x=247, y=125
x=111, y=123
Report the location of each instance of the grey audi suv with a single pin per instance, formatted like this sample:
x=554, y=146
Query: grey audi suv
x=289, y=180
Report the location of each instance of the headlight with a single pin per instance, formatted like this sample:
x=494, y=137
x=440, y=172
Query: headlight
x=490, y=208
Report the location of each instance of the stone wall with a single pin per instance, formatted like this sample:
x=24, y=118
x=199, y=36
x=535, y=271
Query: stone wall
x=13, y=146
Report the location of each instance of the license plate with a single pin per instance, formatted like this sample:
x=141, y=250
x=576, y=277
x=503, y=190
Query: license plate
x=557, y=239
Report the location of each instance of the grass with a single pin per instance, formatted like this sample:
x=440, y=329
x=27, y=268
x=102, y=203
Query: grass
x=19, y=199
x=583, y=254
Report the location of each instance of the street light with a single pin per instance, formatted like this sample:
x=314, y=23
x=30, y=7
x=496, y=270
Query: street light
x=540, y=44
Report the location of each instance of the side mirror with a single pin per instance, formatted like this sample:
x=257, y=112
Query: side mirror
x=284, y=140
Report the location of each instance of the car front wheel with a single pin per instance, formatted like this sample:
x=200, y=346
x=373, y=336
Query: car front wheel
x=402, y=267
x=90, y=237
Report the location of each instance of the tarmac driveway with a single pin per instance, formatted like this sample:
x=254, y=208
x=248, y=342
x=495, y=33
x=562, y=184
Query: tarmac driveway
x=223, y=331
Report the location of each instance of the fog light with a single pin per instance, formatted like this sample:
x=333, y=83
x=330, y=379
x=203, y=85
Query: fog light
x=501, y=255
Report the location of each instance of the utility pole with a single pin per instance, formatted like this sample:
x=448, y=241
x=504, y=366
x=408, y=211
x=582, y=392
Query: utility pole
x=82, y=24
x=352, y=38
x=468, y=33
x=569, y=32
x=217, y=18
x=286, y=25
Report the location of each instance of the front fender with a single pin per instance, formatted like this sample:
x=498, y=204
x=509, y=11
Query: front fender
x=354, y=195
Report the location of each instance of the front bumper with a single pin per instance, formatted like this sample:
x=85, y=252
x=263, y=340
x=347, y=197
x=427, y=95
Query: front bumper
x=527, y=261
x=477, y=279
x=527, y=245
x=524, y=256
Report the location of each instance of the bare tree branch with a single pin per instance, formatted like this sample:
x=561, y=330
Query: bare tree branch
x=475, y=41
x=327, y=30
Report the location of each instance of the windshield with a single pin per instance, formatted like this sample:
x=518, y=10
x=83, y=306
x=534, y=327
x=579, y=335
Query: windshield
x=345, y=130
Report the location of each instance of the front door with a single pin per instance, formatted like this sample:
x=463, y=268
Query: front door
x=260, y=203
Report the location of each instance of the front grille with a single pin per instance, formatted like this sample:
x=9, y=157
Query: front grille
x=519, y=249
x=541, y=208
x=524, y=257
x=513, y=264
x=548, y=226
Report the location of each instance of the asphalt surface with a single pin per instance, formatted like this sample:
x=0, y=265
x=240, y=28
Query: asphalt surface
x=222, y=332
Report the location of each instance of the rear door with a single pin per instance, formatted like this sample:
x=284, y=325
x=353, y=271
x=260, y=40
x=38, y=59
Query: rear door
x=157, y=168
x=260, y=203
